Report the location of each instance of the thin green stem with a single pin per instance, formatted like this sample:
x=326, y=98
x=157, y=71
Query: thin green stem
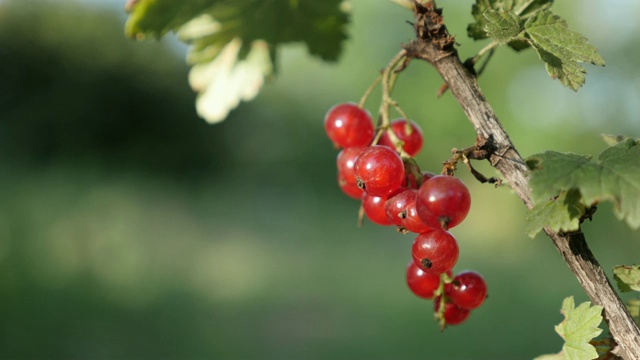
x=524, y=7
x=366, y=94
x=385, y=104
x=486, y=61
x=491, y=46
x=402, y=113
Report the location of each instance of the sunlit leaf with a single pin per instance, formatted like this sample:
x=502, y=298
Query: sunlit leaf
x=579, y=326
x=233, y=44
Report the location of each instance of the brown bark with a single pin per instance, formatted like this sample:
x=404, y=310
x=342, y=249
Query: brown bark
x=435, y=46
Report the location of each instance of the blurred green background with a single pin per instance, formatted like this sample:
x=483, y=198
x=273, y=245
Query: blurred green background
x=129, y=228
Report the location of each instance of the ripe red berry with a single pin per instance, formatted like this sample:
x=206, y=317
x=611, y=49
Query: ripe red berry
x=379, y=170
x=453, y=314
x=395, y=206
x=435, y=251
x=410, y=134
x=467, y=290
x=401, y=211
x=421, y=283
x=374, y=209
x=410, y=219
x=348, y=125
x=443, y=202
x=351, y=190
x=346, y=176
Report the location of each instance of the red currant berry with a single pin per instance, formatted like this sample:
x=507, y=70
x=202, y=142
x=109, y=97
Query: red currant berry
x=351, y=190
x=374, y=209
x=410, y=219
x=443, y=202
x=379, y=170
x=421, y=283
x=348, y=125
x=346, y=176
x=395, y=206
x=453, y=314
x=467, y=290
x=435, y=251
x=408, y=132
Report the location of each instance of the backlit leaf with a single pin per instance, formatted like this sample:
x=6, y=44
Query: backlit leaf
x=579, y=326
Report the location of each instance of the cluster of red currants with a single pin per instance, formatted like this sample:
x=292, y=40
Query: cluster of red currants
x=393, y=192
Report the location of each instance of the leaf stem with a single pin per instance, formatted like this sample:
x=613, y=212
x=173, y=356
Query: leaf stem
x=524, y=7
x=489, y=48
x=366, y=94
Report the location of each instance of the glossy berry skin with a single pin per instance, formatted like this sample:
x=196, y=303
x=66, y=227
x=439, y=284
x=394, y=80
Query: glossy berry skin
x=374, y=209
x=396, y=205
x=435, y=251
x=410, y=219
x=467, y=290
x=346, y=177
x=420, y=283
x=410, y=134
x=348, y=125
x=401, y=211
x=443, y=202
x=351, y=190
x=379, y=170
x=453, y=314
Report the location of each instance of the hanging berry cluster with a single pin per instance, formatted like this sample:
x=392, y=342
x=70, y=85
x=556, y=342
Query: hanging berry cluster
x=394, y=192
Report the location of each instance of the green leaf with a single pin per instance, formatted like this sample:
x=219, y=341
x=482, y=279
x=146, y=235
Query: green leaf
x=579, y=326
x=502, y=26
x=560, y=48
x=233, y=43
x=157, y=17
x=627, y=277
x=319, y=24
x=614, y=177
x=521, y=8
x=560, y=214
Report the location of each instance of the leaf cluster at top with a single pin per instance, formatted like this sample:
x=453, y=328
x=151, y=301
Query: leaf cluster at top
x=525, y=23
x=319, y=24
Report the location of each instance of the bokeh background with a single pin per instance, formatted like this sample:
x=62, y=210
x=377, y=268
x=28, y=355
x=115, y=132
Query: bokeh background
x=129, y=228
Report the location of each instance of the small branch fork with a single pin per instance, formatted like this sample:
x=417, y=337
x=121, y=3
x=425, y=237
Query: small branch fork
x=480, y=151
x=436, y=46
